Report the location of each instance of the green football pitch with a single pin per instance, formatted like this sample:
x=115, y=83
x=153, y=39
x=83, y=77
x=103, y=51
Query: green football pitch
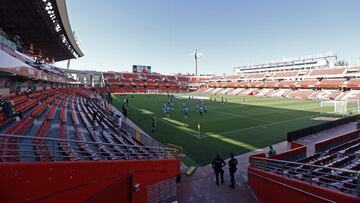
x=241, y=125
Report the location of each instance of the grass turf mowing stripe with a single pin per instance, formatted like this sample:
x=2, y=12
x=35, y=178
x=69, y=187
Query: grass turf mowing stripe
x=183, y=127
x=247, y=132
x=266, y=125
x=241, y=116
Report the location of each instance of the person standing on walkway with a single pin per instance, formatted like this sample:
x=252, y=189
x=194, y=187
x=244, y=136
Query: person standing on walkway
x=272, y=151
x=217, y=164
x=232, y=169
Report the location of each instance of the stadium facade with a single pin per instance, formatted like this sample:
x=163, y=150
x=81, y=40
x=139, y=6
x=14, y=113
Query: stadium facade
x=319, y=61
x=85, y=77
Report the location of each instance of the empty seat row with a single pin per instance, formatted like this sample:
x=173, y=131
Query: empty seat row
x=64, y=145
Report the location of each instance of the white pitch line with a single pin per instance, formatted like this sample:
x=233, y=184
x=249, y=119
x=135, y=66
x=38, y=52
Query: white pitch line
x=267, y=124
x=251, y=117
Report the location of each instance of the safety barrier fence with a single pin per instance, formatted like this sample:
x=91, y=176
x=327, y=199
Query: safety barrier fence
x=25, y=148
x=141, y=137
x=296, y=134
x=339, y=179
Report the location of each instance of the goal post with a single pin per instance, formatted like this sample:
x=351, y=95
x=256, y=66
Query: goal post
x=353, y=107
x=340, y=107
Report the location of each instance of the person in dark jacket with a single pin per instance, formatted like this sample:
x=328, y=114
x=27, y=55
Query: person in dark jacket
x=217, y=164
x=8, y=108
x=272, y=151
x=232, y=169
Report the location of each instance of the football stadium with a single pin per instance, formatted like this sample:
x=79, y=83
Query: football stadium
x=286, y=130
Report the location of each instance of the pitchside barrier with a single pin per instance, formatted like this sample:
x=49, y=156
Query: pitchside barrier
x=296, y=134
x=141, y=137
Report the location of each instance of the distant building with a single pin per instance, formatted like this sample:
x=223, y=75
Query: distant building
x=85, y=77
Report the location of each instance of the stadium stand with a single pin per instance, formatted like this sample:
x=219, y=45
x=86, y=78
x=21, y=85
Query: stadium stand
x=312, y=84
x=232, y=77
x=264, y=92
x=331, y=173
x=324, y=95
x=137, y=82
x=307, y=83
x=68, y=145
x=300, y=94
x=231, y=84
x=256, y=76
x=131, y=76
x=286, y=84
x=330, y=83
x=299, y=84
x=353, y=95
x=255, y=84
x=270, y=83
x=352, y=83
x=286, y=74
x=327, y=72
x=97, y=140
x=153, y=77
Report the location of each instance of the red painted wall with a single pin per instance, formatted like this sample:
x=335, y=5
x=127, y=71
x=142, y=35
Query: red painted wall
x=294, y=145
x=268, y=188
x=297, y=151
x=102, y=181
x=261, y=155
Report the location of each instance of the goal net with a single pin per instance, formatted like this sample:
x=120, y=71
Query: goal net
x=339, y=107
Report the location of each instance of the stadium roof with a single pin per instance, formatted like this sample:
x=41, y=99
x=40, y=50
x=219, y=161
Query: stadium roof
x=43, y=23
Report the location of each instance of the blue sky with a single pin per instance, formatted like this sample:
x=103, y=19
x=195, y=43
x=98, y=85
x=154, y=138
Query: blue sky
x=115, y=34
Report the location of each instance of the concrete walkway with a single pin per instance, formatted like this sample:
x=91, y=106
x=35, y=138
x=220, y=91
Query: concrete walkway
x=201, y=187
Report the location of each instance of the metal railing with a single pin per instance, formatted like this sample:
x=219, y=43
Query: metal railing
x=143, y=138
x=25, y=148
x=296, y=134
x=339, y=179
x=138, y=135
